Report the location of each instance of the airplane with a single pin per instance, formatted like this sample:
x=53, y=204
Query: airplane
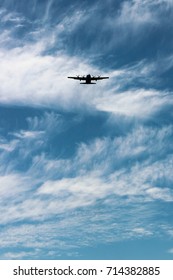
x=88, y=79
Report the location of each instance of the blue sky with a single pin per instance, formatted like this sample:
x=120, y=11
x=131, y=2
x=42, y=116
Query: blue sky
x=86, y=171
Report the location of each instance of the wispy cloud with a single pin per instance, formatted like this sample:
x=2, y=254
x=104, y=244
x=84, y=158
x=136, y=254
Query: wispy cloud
x=136, y=12
x=31, y=79
x=30, y=76
x=70, y=232
x=142, y=231
x=123, y=166
x=137, y=103
x=49, y=199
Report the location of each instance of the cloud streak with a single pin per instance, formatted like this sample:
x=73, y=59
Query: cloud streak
x=32, y=77
x=127, y=165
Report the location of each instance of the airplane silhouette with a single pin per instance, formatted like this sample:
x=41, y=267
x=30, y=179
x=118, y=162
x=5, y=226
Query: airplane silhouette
x=88, y=79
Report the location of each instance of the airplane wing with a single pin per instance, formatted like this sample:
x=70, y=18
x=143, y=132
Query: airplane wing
x=94, y=78
x=81, y=78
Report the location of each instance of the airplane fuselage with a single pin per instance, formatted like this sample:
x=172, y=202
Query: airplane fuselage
x=88, y=80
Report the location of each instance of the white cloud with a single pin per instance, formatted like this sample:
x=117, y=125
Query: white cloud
x=72, y=21
x=170, y=251
x=142, y=231
x=11, y=17
x=8, y=146
x=85, y=188
x=17, y=256
x=124, y=166
x=73, y=230
x=134, y=103
x=137, y=12
x=161, y=193
x=28, y=134
x=31, y=78
x=12, y=185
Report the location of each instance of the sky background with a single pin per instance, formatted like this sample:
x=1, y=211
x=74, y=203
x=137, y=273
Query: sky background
x=86, y=172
